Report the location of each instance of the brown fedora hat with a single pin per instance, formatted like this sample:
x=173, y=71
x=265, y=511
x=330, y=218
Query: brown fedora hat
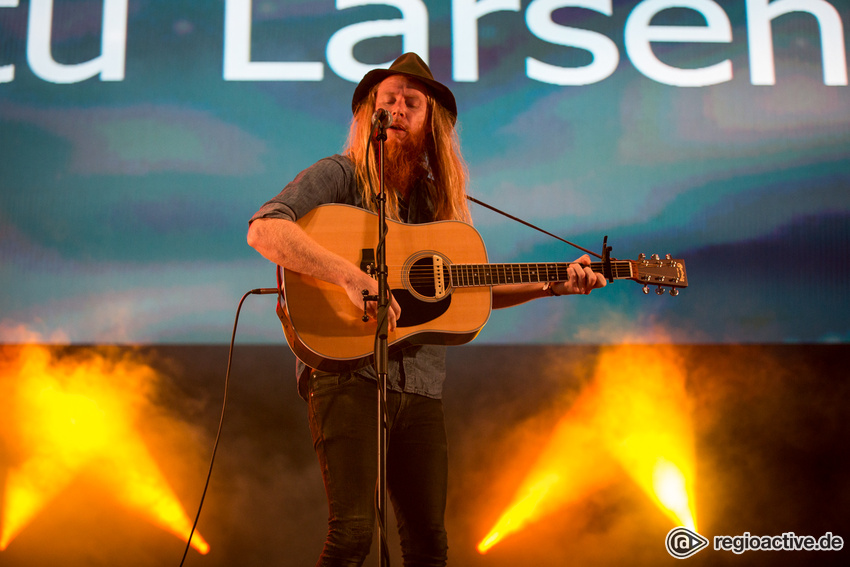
x=410, y=65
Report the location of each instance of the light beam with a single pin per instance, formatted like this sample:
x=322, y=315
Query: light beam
x=635, y=413
x=80, y=415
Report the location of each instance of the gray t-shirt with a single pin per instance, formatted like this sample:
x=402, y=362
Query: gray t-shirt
x=417, y=369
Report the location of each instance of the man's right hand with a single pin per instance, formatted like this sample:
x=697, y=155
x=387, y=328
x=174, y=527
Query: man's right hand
x=370, y=285
x=286, y=244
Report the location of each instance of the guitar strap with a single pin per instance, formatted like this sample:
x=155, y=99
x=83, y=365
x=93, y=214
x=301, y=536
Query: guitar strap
x=528, y=224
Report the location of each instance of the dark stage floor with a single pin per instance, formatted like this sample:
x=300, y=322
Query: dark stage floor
x=767, y=426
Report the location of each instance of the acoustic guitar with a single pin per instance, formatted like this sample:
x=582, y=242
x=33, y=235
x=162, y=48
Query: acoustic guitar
x=437, y=272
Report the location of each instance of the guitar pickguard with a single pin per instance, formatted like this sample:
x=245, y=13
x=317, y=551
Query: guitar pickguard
x=415, y=312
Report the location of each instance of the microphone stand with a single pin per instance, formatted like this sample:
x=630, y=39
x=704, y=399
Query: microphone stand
x=382, y=352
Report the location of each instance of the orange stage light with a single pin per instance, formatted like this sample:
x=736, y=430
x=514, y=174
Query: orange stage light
x=635, y=413
x=61, y=415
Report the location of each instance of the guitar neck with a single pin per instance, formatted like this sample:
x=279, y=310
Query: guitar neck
x=474, y=275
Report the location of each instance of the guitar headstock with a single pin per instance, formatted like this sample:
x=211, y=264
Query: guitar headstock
x=661, y=272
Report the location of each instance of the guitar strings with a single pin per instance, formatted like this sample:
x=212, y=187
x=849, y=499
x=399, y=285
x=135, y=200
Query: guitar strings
x=509, y=268
x=486, y=274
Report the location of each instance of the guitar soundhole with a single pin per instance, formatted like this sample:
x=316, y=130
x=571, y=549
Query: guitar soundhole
x=420, y=302
x=421, y=278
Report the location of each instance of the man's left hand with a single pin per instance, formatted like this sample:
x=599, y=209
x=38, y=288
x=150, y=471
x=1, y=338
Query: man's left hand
x=582, y=280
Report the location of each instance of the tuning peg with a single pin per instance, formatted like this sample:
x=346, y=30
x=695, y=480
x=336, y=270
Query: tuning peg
x=668, y=257
x=645, y=289
x=659, y=290
x=654, y=257
x=674, y=292
x=641, y=257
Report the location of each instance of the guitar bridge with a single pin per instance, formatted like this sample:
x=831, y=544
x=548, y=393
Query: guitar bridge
x=439, y=281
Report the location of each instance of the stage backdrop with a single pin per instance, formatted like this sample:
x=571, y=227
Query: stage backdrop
x=137, y=137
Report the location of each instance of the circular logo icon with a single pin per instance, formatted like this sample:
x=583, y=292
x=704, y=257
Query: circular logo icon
x=682, y=542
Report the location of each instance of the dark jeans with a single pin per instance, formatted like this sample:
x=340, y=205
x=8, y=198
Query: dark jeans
x=343, y=420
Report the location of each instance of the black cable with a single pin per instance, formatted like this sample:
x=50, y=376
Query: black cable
x=259, y=291
x=382, y=528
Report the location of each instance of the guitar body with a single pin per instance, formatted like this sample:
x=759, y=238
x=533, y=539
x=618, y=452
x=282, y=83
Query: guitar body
x=325, y=329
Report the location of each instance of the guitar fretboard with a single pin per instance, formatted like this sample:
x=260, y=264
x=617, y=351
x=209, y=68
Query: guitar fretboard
x=472, y=275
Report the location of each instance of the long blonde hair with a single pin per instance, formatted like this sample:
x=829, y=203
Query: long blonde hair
x=443, y=160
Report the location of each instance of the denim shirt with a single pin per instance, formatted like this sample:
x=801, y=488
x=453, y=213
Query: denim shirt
x=417, y=369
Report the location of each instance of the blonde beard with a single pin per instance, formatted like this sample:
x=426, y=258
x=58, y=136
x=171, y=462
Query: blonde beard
x=404, y=164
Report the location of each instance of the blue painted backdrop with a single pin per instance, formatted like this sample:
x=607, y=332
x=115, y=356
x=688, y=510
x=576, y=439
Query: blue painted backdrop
x=124, y=200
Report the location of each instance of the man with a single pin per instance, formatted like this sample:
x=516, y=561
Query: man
x=425, y=180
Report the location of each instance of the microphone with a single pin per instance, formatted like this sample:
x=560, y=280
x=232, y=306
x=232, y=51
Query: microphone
x=382, y=118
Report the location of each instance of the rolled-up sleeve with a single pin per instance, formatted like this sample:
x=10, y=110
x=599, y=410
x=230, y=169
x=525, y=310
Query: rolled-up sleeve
x=327, y=181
